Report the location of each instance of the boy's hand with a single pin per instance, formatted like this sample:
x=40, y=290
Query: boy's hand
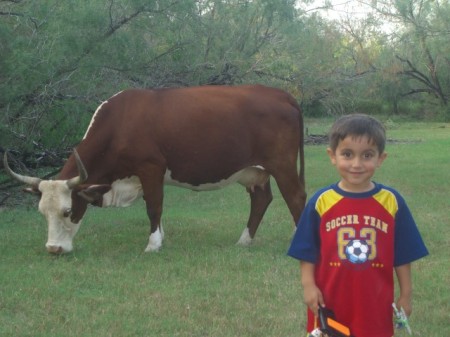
x=405, y=303
x=401, y=318
x=405, y=285
x=313, y=297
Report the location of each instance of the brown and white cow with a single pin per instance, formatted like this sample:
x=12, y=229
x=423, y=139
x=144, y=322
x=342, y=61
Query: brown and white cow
x=201, y=138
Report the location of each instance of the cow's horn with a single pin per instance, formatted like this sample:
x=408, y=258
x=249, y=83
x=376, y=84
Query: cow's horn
x=81, y=171
x=32, y=181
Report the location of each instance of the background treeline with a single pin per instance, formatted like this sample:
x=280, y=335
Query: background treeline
x=60, y=59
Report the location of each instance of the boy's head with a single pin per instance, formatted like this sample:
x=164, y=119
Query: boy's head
x=357, y=125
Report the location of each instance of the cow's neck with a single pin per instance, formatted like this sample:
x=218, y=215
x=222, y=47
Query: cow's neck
x=124, y=190
x=96, y=164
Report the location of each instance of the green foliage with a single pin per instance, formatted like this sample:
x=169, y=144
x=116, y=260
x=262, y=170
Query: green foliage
x=60, y=59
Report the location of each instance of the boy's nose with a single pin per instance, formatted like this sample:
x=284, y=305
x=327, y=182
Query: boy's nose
x=356, y=162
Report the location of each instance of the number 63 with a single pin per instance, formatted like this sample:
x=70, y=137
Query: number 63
x=346, y=234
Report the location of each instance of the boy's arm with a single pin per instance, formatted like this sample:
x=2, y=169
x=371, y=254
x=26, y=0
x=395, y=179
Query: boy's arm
x=405, y=286
x=312, y=295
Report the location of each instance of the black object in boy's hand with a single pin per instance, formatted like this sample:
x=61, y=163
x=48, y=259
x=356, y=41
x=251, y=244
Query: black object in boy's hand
x=330, y=327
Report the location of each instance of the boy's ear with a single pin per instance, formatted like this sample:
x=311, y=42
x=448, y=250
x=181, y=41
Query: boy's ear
x=381, y=158
x=332, y=155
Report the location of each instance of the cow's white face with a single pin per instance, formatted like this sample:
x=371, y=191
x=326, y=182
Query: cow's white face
x=56, y=206
x=63, y=213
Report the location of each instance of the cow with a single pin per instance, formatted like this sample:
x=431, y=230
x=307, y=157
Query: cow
x=200, y=138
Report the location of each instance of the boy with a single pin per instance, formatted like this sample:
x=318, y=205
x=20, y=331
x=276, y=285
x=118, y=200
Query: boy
x=354, y=233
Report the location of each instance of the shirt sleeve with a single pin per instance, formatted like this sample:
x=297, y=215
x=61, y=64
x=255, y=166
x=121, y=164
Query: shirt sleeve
x=306, y=242
x=408, y=245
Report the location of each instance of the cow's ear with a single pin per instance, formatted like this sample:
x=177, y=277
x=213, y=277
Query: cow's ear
x=93, y=194
x=33, y=190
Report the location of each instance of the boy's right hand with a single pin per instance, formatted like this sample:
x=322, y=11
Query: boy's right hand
x=312, y=296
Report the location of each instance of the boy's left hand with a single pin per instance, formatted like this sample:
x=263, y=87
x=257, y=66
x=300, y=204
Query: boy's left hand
x=404, y=303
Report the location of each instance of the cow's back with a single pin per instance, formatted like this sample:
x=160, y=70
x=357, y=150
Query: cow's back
x=201, y=134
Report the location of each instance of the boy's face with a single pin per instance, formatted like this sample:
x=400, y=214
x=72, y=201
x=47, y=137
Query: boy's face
x=356, y=160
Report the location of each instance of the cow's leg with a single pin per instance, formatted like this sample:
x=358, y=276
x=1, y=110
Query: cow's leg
x=293, y=192
x=261, y=197
x=154, y=211
x=152, y=184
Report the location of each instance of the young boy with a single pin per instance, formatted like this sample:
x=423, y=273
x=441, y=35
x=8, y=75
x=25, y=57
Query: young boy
x=354, y=233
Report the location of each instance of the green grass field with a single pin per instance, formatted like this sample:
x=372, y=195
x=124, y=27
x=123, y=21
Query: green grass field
x=201, y=283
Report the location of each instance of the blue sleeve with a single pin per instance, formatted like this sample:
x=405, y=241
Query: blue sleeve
x=408, y=245
x=306, y=242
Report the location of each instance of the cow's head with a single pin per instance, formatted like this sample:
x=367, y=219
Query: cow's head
x=63, y=203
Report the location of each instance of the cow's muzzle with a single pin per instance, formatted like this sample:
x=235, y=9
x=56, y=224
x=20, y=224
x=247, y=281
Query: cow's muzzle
x=55, y=249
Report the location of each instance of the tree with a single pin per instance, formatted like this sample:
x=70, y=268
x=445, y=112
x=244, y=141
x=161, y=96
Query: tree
x=61, y=59
x=421, y=45
x=57, y=61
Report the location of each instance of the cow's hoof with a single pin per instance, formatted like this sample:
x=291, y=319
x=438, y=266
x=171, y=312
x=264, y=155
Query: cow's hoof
x=152, y=249
x=154, y=241
x=245, y=239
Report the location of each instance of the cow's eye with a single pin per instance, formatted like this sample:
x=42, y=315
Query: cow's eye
x=67, y=212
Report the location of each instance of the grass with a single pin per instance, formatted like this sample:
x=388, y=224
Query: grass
x=201, y=283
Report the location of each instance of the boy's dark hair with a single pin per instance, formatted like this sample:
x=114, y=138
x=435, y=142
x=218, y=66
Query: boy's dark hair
x=357, y=125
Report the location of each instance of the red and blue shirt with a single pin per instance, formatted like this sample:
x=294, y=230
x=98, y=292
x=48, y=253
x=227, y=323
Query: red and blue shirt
x=355, y=240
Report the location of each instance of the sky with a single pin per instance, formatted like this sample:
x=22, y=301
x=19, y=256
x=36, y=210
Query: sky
x=341, y=8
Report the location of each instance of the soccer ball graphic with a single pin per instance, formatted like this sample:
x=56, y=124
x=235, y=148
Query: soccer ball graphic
x=357, y=251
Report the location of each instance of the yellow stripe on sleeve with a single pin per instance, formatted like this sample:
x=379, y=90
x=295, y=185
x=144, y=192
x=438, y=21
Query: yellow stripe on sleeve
x=327, y=200
x=388, y=200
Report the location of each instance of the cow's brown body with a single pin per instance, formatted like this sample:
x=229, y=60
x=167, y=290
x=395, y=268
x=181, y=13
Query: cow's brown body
x=200, y=138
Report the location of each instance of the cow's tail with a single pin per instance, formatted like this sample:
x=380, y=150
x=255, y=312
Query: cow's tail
x=301, y=148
